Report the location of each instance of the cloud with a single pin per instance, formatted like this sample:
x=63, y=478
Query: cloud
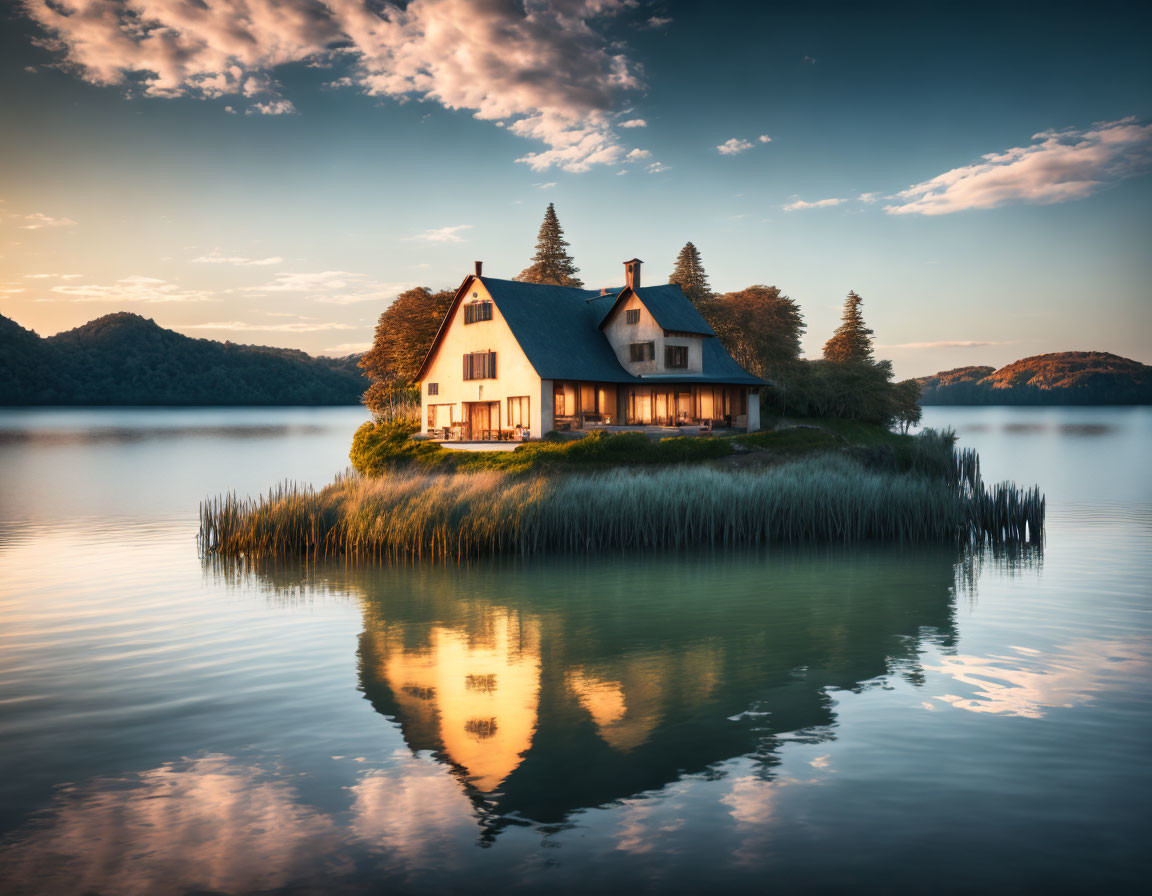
x=443, y=234
x=40, y=221
x=657, y=22
x=808, y=59
x=312, y=281
x=547, y=186
x=240, y=326
x=53, y=276
x=637, y=154
x=633, y=123
x=542, y=68
x=346, y=348
x=764, y=138
x=215, y=257
x=655, y=168
x=139, y=290
x=733, y=146
x=947, y=343
x=868, y=197
x=272, y=107
x=800, y=204
x=372, y=292
x=1057, y=167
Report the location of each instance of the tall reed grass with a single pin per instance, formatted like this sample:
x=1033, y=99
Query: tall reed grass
x=457, y=516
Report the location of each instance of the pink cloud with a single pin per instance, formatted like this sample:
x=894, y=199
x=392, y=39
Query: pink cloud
x=1057, y=167
x=542, y=69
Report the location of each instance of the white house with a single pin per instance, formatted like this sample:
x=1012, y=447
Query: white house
x=530, y=358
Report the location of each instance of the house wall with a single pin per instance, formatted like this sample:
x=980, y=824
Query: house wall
x=515, y=376
x=621, y=335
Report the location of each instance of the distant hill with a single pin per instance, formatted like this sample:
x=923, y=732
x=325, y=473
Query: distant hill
x=1082, y=378
x=125, y=359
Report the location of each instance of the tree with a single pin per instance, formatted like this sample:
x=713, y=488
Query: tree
x=906, y=404
x=552, y=263
x=689, y=275
x=404, y=334
x=760, y=327
x=852, y=340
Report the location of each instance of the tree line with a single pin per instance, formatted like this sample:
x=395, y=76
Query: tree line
x=759, y=326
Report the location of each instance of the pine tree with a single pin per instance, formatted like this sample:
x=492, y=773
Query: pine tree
x=552, y=263
x=852, y=341
x=689, y=275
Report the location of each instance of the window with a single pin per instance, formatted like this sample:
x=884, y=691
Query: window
x=433, y=388
x=477, y=311
x=518, y=411
x=632, y=316
x=676, y=356
x=642, y=351
x=480, y=366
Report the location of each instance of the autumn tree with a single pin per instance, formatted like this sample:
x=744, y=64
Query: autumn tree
x=552, y=264
x=689, y=275
x=852, y=341
x=761, y=328
x=404, y=334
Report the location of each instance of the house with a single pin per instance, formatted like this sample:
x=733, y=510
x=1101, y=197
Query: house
x=527, y=358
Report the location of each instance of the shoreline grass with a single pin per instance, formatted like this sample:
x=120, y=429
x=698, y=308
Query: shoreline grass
x=452, y=516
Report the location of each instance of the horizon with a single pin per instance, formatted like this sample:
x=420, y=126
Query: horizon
x=260, y=187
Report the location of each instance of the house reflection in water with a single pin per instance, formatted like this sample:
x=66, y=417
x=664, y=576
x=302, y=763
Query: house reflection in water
x=475, y=695
x=565, y=686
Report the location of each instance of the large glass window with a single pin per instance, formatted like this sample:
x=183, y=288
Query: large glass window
x=480, y=366
x=518, y=411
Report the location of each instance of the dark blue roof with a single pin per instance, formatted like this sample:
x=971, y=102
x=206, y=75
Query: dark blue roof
x=559, y=330
x=672, y=310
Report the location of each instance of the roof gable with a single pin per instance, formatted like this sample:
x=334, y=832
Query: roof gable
x=559, y=330
x=668, y=306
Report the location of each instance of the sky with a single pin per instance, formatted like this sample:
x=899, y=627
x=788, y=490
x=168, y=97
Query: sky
x=274, y=172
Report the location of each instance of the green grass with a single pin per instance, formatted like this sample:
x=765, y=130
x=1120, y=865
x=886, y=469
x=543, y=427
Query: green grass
x=378, y=448
x=383, y=447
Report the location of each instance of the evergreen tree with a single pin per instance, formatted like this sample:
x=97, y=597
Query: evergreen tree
x=552, y=263
x=852, y=341
x=689, y=275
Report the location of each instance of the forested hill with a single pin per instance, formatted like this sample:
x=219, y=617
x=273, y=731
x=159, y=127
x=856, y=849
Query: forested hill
x=1082, y=378
x=125, y=359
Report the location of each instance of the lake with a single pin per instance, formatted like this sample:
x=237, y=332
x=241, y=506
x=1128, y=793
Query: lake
x=817, y=718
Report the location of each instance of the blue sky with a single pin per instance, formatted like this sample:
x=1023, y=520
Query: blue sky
x=274, y=173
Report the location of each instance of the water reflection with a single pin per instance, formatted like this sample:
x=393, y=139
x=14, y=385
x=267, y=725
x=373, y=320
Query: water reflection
x=1030, y=683
x=556, y=687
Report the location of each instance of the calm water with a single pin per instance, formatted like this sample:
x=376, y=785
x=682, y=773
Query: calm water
x=819, y=719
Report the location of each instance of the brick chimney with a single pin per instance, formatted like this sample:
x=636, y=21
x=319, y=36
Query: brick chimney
x=632, y=272
x=479, y=267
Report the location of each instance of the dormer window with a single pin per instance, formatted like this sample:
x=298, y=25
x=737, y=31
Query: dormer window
x=477, y=311
x=632, y=316
x=676, y=357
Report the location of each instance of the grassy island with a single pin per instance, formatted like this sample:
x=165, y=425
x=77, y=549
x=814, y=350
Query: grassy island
x=818, y=482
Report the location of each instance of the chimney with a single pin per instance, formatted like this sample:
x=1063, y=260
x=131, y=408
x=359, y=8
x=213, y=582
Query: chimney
x=479, y=267
x=632, y=272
